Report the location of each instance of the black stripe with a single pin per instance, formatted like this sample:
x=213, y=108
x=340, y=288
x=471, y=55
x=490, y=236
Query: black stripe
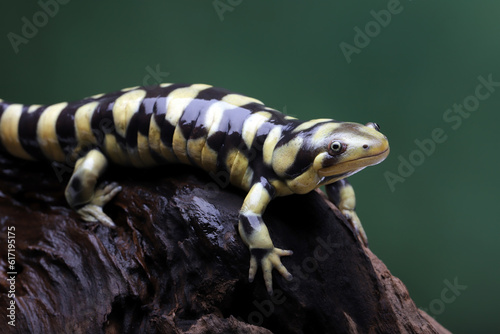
x=140, y=123
x=132, y=130
x=160, y=110
x=102, y=121
x=213, y=93
x=262, y=132
x=279, y=118
x=248, y=222
x=107, y=96
x=200, y=129
x=149, y=107
x=301, y=163
x=27, y=132
x=193, y=114
x=229, y=134
x=268, y=186
x=65, y=128
x=254, y=106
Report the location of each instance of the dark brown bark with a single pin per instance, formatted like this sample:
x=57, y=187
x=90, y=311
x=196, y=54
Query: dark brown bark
x=175, y=262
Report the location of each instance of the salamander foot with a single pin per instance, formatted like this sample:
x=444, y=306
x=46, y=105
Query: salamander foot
x=93, y=212
x=269, y=259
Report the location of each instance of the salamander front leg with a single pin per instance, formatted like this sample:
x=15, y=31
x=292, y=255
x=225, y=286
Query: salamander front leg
x=254, y=233
x=81, y=192
x=341, y=193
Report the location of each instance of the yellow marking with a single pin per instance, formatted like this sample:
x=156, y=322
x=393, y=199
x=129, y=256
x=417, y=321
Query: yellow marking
x=309, y=124
x=305, y=182
x=281, y=188
x=320, y=159
x=270, y=143
x=83, y=129
x=325, y=131
x=96, y=96
x=129, y=89
x=33, y=108
x=231, y=156
x=179, y=144
x=246, y=183
x=284, y=156
x=194, y=149
x=46, y=132
x=238, y=169
x=9, y=125
x=252, y=125
x=125, y=107
x=256, y=200
x=143, y=149
x=213, y=118
x=154, y=135
x=290, y=117
x=239, y=100
x=209, y=159
x=156, y=144
x=258, y=238
x=165, y=84
x=347, y=198
x=177, y=101
x=87, y=170
x=114, y=150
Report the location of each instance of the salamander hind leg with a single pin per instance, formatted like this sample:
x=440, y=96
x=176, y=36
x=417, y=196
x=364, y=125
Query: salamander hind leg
x=255, y=234
x=341, y=193
x=82, y=194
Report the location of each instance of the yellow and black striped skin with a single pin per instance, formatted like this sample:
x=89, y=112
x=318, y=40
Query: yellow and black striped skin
x=261, y=150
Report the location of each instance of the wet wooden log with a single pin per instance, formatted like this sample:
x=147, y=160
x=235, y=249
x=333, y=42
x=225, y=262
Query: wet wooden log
x=175, y=262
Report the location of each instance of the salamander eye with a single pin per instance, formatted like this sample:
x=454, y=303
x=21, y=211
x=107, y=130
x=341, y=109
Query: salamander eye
x=336, y=148
x=373, y=125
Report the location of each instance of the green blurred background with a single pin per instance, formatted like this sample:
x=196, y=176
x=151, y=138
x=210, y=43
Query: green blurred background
x=437, y=228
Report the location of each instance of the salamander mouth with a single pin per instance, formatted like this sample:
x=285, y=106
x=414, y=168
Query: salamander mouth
x=352, y=166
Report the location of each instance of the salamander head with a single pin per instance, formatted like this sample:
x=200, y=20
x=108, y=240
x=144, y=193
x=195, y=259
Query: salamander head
x=327, y=152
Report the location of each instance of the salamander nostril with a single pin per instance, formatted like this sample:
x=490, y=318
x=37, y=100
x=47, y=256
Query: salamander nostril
x=365, y=146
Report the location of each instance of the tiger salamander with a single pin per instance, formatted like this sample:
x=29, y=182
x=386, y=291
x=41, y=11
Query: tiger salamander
x=261, y=150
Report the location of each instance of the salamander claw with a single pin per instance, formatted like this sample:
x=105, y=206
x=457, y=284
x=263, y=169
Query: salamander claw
x=353, y=218
x=105, y=194
x=93, y=212
x=269, y=259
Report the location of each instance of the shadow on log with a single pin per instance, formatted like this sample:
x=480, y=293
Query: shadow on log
x=175, y=262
